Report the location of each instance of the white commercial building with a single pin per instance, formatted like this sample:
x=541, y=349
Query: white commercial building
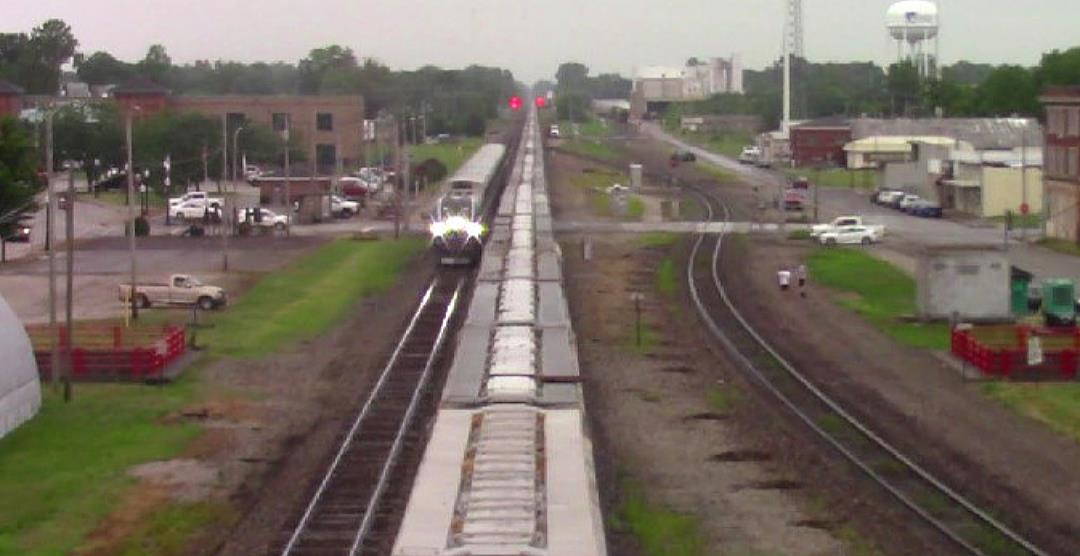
x=20, y=388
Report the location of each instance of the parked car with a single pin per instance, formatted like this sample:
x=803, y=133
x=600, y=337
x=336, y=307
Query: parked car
x=906, y=201
x=864, y=235
x=353, y=187
x=749, y=155
x=844, y=222
x=553, y=131
x=264, y=218
x=181, y=289
x=683, y=156
x=801, y=182
x=881, y=196
x=925, y=209
x=194, y=209
x=794, y=199
x=892, y=198
x=201, y=197
x=252, y=172
x=343, y=208
x=20, y=234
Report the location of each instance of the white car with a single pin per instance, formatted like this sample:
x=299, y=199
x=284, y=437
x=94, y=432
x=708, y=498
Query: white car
x=864, y=235
x=201, y=197
x=749, y=155
x=265, y=218
x=343, y=207
x=907, y=201
x=194, y=209
x=845, y=221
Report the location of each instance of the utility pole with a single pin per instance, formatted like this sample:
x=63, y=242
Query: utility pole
x=288, y=180
x=131, y=213
x=1024, y=211
x=69, y=301
x=225, y=209
x=50, y=223
x=205, y=165
x=397, y=178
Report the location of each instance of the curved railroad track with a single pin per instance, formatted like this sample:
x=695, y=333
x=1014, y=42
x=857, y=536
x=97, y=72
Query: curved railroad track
x=970, y=529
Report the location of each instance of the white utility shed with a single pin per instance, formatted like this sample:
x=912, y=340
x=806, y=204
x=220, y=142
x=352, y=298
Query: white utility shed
x=20, y=388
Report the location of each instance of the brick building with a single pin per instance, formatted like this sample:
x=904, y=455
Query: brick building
x=328, y=127
x=820, y=142
x=1061, y=162
x=10, y=99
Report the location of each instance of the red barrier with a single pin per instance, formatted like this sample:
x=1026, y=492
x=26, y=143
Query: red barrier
x=1012, y=361
x=112, y=354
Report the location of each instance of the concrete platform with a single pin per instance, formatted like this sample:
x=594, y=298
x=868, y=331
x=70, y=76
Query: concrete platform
x=674, y=227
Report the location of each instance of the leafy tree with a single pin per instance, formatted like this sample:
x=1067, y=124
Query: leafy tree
x=1008, y=90
x=156, y=64
x=18, y=181
x=572, y=77
x=323, y=62
x=572, y=106
x=904, y=87
x=33, y=61
x=54, y=44
x=966, y=73
x=101, y=68
x=1059, y=68
x=953, y=98
x=90, y=135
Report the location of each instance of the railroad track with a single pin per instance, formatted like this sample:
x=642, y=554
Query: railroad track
x=343, y=511
x=969, y=528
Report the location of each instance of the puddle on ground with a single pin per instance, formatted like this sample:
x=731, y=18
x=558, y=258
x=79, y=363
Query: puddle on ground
x=740, y=455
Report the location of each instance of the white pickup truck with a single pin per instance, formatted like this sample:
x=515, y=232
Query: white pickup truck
x=850, y=235
x=202, y=198
x=817, y=230
x=182, y=289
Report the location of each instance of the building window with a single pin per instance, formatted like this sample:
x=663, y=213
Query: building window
x=1054, y=121
x=1074, y=162
x=279, y=120
x=326, y=157
x=324, y=121
x=1074, y=122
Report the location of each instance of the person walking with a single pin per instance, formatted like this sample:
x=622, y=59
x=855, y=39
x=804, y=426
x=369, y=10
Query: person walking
x=783, y=276
x=801, y=274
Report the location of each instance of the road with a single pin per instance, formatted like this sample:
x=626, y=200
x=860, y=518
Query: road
x=906, y=234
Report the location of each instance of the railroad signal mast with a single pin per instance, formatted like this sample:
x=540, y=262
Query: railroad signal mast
x=515, y=103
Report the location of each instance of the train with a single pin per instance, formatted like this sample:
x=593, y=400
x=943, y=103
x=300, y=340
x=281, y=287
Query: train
x=508, y=467
x=457, y=227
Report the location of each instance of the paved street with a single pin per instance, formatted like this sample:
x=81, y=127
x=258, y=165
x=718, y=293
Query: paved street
x=906, y=234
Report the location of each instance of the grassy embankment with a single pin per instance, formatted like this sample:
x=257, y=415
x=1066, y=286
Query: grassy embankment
x=1060, y=246
x=157, y=200
x=588, y=140
x=451, y=154
x=661, y=531
x=879, y=291
x=840, y=178
x=64, y=471
x=884, y=294
x=728, y=143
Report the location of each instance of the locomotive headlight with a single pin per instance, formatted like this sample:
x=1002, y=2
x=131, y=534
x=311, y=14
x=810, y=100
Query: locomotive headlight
x=437, y=229
x=474, y=229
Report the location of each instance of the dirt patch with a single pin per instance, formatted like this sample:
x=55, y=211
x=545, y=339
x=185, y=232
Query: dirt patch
x=185, y=480
x=139, y=502
x=909, y=396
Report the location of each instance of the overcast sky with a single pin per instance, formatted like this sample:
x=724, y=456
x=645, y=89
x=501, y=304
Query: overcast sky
x=531, y=37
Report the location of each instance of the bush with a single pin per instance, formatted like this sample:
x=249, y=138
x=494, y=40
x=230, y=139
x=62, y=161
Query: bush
x=799, y=234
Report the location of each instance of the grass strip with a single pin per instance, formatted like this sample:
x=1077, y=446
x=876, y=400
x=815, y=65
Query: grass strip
x=1060, y=246
x=667, y=279
x=60, y=473
x=1054, y=404
x=308, y=296
x=451, y=154
x=880, y=292
x=661, y=531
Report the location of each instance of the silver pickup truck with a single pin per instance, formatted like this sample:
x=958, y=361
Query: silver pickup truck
x=181, y=289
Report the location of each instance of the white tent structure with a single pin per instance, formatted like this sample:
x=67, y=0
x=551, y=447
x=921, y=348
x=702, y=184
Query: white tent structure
x=20, y=388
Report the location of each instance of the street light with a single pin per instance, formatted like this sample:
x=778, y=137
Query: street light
x=131, y=208
x=236, y=155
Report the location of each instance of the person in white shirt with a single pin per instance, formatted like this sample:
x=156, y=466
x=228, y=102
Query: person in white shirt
x=783, y=276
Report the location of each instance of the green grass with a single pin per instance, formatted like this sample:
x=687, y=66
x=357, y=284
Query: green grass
x=635, y=208
x=61, y=472
x=168, y=532
x=590, y=148
x=1028, y=221
x=667, y=279
x=659, y=239
x=837, y=177
x=726, y=143
x=798, y=235
x=1054, y=404
x=308, y=296
x=661, y=531
x=451, y=154
x=725, y=398
x=1061, y=246
x=649, y=337
x=717, y=173
x=881, y=293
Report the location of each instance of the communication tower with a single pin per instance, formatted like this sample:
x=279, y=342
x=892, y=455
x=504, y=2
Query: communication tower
x=793, y=46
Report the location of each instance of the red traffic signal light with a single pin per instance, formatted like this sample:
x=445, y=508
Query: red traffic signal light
x=515, y=102
x=540, y=102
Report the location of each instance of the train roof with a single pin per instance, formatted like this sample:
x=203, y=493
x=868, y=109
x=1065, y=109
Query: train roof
x=481, y=166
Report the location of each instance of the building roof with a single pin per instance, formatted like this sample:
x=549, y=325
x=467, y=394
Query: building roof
x=831, y=122
x=1061, y=93
x=9, y=88
x=139, y=85
x=981, y=133
x=660, y=72
x=20, y=388
x=901, y=143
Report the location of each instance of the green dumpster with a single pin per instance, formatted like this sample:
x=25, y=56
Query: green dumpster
x=1020, y=281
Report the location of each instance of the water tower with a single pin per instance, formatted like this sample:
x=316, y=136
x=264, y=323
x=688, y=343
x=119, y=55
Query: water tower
x=914, y=23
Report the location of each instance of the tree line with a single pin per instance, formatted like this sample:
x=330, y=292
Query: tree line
x=575, y=89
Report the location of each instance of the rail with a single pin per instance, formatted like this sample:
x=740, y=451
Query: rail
x=947, y=523
x=342, y=509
